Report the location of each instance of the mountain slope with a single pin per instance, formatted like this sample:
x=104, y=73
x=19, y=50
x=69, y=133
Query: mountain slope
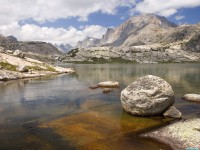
x=139, y=26
x=140, y=29
x=64, y=47
x=88, y=42
x=146, y=38
x=30, y=48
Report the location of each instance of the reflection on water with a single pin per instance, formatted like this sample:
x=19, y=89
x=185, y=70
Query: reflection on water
x=63, y=113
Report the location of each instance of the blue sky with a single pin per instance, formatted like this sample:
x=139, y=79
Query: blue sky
x=68, y=21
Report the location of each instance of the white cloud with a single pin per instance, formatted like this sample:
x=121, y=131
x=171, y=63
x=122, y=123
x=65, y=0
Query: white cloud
x=51, y=10
x=164, y=7
x=14, y=11
x=71, y=35
x=179, y=17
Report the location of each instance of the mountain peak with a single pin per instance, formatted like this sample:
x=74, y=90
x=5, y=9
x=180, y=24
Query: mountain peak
x=64, y=47
x=150, y=18
x=142, y=25
x=88, y=42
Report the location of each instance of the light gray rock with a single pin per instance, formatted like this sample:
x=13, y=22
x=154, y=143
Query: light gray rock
x=109, y=84
x=7, y=75
x=147, y=96
x=172, y=112
x=192, y=97
x=19, y=53
x=9, y=52
x=180, y=135
x=22, y=69
x=2, y=49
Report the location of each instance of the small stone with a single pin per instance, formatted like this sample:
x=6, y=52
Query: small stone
x=172, y=112
x=109, y=84
x=192, y=97
x=22, y=69
x=19, y=53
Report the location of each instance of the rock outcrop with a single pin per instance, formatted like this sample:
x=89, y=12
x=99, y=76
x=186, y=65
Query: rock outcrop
x=147, y=96
x=180, y=135
x=13, y=67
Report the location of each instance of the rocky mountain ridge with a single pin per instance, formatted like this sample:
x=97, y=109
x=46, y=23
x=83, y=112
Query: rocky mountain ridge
x=88, y=42
x=31, y=48
x=64, y=47
x=147, y=38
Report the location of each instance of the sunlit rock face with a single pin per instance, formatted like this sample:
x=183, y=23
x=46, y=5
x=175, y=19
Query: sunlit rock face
x=146, y=38
x=147, y=96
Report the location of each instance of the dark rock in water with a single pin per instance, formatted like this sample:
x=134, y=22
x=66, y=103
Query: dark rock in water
x=94, y=87
x=180, y=135
x=147, y=96
x=172, y=112
x=107, y=90
x=192, y=97
x=22, y=69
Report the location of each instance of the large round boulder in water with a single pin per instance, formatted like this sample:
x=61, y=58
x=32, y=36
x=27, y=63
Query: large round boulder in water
x=147, y=96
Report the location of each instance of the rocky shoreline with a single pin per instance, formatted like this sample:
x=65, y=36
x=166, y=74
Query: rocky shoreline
x=152, y=96
x=180, y=135
x=16, y=66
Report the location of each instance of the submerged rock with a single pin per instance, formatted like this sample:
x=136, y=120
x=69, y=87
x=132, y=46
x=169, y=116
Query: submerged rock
x=172, y=112
x=192, y=97
x=180, y=135
x=94, y=87
x=147, y=96
x=107, y=90
x=109, y=84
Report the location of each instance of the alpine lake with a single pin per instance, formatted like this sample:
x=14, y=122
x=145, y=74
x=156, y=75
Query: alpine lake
x=62, y=112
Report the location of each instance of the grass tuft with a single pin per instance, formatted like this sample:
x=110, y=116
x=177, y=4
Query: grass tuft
x=7, y=66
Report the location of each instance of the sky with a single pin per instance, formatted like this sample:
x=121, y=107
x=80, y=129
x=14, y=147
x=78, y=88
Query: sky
x=70, y=21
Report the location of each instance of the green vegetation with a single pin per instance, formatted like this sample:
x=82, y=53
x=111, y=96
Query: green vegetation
x=95, y=60
x=196, y=129
x=48, y=68
x=37, y=68
x=8, y=66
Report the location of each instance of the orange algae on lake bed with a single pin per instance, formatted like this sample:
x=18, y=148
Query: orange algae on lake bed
x=103, y=128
